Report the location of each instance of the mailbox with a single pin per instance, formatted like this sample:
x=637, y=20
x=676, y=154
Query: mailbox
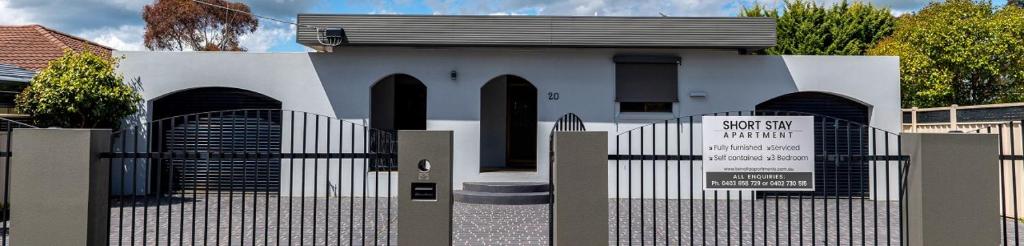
x=424, y=191
x=425, y=188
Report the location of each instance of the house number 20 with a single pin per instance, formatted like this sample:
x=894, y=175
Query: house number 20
x=553, y=96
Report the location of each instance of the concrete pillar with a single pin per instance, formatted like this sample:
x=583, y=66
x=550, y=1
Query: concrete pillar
x=953, y=125
x=953, y=189
x=913, y=119
x=59, y=187
x=579, y=178
x=425, y=188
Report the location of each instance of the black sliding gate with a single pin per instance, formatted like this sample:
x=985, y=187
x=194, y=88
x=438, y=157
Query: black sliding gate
x=859, y=198
x=261, y=177
x=279, y=177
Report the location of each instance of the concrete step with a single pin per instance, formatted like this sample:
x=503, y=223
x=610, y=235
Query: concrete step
x=506, y=187
x=522, y=198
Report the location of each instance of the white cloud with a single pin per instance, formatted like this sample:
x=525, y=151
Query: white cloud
x=897, y=6
x=268, y=35
x=622, y=7
x=126, y=37
x=11, y=16
x=590, y=7
x=118, y=23
x=383, y=12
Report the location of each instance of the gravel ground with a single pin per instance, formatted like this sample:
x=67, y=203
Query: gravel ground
x=500, y=224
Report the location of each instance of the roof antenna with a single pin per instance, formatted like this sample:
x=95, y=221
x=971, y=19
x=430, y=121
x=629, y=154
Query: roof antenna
x=662, y=14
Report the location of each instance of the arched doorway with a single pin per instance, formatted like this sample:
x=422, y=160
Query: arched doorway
x=397, y=102
x=221, y=119
x=832, y=136
x=508, y=124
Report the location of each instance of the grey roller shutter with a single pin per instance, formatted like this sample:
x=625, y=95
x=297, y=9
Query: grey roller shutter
x=646, y=78
x=832, y=178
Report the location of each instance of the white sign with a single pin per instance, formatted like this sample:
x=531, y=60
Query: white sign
x=773, y=153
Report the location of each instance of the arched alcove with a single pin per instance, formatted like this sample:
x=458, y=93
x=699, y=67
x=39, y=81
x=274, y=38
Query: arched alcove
x=508, y=124
x=218, y=119
x=398, y=102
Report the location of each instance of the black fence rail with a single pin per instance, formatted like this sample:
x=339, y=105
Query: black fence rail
x=859, y=196
x=262, y=177
x=1011, y=176
x=7, y=127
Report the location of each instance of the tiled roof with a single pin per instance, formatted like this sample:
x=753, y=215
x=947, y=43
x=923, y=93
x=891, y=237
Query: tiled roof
x=32, y=47
x=15, y=74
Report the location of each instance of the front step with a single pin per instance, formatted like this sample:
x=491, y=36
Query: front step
x=504, y=193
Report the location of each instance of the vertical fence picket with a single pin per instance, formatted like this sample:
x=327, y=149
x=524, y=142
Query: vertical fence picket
x=888, y=207
x=1013, y=183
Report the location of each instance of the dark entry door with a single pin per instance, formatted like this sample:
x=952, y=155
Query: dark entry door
x=521, y=134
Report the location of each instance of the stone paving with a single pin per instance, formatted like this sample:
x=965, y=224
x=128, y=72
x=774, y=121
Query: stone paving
x=477, y=224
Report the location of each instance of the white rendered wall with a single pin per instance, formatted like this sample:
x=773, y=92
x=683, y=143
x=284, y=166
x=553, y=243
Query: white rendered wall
x=338, y=85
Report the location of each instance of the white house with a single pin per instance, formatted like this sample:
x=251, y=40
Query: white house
x=499, y=82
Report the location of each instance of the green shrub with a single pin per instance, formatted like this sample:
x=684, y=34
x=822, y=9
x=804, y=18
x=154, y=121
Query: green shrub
x=79, y=90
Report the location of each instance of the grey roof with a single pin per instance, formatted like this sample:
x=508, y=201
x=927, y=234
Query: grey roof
x=15, y=74
x=542, y=31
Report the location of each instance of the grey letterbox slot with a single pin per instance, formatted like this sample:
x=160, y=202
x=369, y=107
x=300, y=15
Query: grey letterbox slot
x=424, y=191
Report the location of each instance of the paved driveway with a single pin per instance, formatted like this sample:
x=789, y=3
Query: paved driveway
x=502, y=224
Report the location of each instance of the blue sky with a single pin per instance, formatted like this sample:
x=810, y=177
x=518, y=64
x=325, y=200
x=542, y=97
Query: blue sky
x=118, y=23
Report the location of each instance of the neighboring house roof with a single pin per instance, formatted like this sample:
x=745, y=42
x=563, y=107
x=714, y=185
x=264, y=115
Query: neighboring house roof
x=32, y=47
x=541, y=31
x=15, y=74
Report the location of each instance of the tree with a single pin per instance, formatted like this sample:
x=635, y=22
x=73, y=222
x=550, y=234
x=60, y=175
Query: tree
x=959, y=52
x=185, y=24
x=1017, y=3
x=78, y=90
x=805, y=28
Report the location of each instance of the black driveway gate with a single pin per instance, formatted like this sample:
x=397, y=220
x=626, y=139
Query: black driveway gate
x=860, y=179
x=256, y=176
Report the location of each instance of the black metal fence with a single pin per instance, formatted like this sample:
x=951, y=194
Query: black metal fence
x=1011, y=176
x=859, y=198
x=263, y=177
x=209, y=178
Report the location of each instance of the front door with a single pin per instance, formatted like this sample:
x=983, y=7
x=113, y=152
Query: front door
x=521, y=134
